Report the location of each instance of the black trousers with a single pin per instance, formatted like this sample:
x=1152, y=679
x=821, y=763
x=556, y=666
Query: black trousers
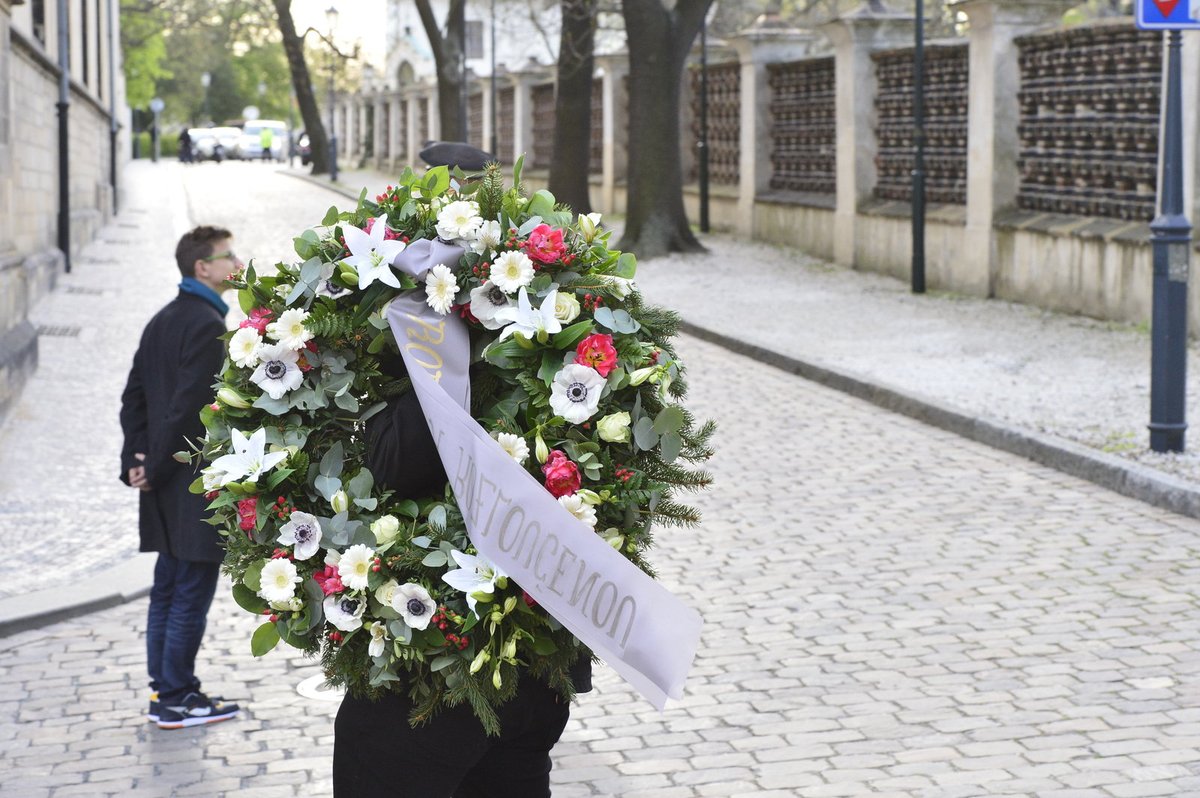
x=376, y=754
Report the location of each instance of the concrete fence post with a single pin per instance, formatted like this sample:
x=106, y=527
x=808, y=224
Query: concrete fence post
x=615, y=103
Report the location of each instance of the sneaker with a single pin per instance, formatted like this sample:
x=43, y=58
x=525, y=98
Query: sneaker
x=196, y=709
x=155, y=708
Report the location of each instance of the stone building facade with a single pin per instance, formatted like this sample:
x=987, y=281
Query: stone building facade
x=30, y=256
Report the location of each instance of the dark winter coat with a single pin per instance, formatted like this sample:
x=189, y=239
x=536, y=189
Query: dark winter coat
x=171, y=380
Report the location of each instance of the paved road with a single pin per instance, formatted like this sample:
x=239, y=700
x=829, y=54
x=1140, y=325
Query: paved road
x=890, y=611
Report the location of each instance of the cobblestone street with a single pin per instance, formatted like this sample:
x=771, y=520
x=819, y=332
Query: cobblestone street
x=890, y=610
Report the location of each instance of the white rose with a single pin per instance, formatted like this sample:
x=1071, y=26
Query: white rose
x=385, y=528
x=566, y=307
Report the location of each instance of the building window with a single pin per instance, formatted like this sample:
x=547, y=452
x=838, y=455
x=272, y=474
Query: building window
x=85, y=54
x=474, y=38
x=39, y=20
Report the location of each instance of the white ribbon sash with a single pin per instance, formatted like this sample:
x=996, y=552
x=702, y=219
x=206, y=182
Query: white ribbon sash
x=631, y=621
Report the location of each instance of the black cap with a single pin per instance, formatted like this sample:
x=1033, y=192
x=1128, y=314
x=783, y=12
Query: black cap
x=456, y=153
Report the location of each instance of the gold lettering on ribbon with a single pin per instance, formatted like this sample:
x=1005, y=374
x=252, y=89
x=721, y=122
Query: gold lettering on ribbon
x=432, y=334
x=431, y=365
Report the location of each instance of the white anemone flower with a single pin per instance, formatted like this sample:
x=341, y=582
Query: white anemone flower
x=379, y=638
x=344, y=612
x=440, y=288
x=487, y=238
x=513, y=445
x=325, y=284
x=278, y=580
x=249, y=458
x=575, y=392
x=289, y=329
x=414, y=604
x=529, y=322
x=486, y=301
x=243, y=347
x=511, y=270
x=278, y=370
x=371, y=255
x=577, y=507
x=354, y=567
x=475, y=574
x=459, y=220
x=303, y=533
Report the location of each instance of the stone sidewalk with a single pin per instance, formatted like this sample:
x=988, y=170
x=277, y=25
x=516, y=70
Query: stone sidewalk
x=924, y=617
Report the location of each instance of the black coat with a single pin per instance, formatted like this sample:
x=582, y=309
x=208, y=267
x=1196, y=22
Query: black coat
x=171, y=380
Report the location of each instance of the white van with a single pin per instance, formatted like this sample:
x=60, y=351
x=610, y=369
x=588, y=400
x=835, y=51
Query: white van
x=250, y=142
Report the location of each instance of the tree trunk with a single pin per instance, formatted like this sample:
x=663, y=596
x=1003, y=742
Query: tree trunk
x=449, y=56
x=659, y=41
x=573, y=106
x=293, y=46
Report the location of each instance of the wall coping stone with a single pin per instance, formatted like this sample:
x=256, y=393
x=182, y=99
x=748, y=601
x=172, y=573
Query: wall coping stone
x=938, y=212
x=1087, y=227
x=809, y=199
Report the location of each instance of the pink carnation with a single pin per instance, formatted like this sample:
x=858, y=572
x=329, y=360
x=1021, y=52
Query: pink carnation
x=329, y=580
x=388, y=233
x=259, y=318
x=545, y=244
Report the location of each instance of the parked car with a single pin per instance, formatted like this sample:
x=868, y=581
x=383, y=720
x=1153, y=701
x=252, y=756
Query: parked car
x=304, y=148
x=249, y=146
x=214, y=143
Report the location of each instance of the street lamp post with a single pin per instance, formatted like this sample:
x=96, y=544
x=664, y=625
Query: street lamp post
x=492, y=82
x=206, y=81
x=702, y=142
x=918, y=171
x=331, y=15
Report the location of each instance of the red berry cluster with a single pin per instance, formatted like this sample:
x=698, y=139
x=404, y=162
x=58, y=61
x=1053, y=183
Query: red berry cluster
x=622, y=473
x=482, y=270
x=591, y=302
x=377, y=564
x=335, y=637
x=390, y=193
x=212, y=494
x=458, y=642
x=569, y=259
x=279, y=554
x=282, y=508
x=654, y=358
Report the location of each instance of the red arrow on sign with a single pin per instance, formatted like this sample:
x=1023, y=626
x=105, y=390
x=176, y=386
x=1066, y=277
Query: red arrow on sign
x=1165, y=7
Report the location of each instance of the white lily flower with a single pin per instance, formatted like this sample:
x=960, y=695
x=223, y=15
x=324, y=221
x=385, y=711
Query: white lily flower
x=289, y=329
x=414, y=604
x=576, y=506
x=487, y=238
x=249, y=458
x=575, y=392
x=475, y=574
x=344, y=612
x=486, y=301
x=278, y=370
x=440, y=288
x=379, y=638
x=371, y=255
x=529, y=322
x=243, y=347
x=303, y=533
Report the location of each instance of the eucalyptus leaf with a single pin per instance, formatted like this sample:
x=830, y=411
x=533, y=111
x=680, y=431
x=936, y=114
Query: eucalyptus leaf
x=331, y=216
x=437, y=516
x=346, y=401
x=604, y=317
x=434, y=559
x=331, y=461
x=627, y=265
x=408, y=508
x=669, y=446
x=401, y=631
x=327, y=486
x=644, y=435
x=669, y=419
x=276, y=407
x=442, y=662
x=361, y=484
x=421, y=541
x=367, y=504
x=310, y=272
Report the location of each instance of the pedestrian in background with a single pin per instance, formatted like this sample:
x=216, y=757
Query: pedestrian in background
x=171, y=380
x=266, y=137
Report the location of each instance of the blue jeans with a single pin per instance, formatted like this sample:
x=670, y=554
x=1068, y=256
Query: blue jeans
x=179, y=602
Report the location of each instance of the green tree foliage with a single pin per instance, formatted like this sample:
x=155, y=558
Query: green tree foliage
x=143, y=49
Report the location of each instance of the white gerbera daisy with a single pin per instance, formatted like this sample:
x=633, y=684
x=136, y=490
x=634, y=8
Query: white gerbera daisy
x=487, y=238
x=303, y=533
x=243, y=347
x=577, y=507
x=440, y=288
x=289, y=329
x=512, y=270
x=414, y=604
x=278, y=580
x=379, y=638
x=513, y=445
x=344, y=612
x=278, y=371
x=354, y=567
x=458, y=220
x=486, y=301
x=575, y=392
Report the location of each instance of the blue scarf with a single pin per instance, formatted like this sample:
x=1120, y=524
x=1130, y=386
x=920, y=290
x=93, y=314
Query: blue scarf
x=190, y=285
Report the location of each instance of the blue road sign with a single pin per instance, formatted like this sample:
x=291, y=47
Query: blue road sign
x=1168, y=14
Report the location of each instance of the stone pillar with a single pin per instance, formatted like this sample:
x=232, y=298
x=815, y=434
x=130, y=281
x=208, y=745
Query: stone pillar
x=433, y=131
x=756, y=48
x=485, y=87
x=855, y=36
x=993, y=113
x=366, y=130
x=522, y=83
x=412, y=114
x=395, y=157
x=615, y=101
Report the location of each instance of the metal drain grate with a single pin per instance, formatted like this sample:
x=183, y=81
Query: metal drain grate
x=58, y=330
x=82, y=289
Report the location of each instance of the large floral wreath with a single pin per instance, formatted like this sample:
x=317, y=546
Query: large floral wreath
x=572, y=375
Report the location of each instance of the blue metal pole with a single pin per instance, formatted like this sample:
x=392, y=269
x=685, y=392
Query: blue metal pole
x=918, y=172
x=1172, y=241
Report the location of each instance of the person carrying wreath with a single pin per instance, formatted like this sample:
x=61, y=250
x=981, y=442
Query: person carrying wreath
x=170, y=381
x=377, y=753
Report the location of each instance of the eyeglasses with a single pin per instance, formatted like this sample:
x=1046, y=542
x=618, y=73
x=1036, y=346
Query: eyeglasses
x=222, y=256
